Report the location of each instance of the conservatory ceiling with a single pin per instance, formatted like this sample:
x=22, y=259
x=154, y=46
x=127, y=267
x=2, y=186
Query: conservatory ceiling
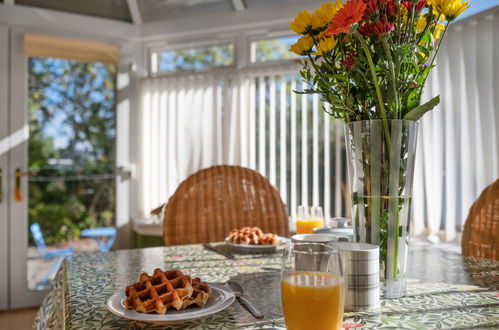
x=146, y=11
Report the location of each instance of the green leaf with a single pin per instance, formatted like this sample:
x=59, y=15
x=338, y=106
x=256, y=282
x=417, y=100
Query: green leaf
x=420, y=110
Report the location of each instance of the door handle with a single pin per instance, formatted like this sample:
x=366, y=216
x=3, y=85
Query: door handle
x=18, y=195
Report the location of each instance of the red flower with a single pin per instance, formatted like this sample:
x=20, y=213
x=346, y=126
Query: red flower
x=349, y=61
x=372, y=7
x=421, y=4
x=351, y=13
x=376, y=28
x=391, y=8
x=418, y=7
x=380, y=8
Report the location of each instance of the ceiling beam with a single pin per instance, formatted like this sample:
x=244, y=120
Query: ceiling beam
x=133, y=7
x=274, y=17
x=47, y=21
x=238, y=5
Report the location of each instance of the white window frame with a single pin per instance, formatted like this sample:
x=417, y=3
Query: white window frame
x=192, y=44
x=267, y=36
x=242, y=51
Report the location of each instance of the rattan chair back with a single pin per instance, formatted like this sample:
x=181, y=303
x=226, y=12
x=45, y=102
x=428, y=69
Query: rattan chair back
x=213, y=201
x=481, y=230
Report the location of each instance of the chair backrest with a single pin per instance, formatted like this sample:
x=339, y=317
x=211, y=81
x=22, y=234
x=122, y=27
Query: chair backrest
x=38, y=237
x=213, y=201
x=481, y=230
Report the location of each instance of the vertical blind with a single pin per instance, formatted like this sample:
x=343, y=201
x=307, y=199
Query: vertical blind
x=458, y=146
x=249, y=118
x=253, y=118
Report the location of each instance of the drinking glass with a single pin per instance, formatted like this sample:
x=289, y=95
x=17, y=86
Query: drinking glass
x=308, y=218
x=312, y=287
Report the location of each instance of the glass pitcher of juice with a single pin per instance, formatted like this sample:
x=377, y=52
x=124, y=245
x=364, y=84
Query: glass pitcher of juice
x=312, y=293
x=309, y=218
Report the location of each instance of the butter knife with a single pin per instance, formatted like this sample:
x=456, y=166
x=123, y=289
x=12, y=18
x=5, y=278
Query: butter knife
x=210, y=247
x=239, y=293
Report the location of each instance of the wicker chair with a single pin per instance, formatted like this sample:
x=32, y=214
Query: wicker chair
x=481, y=230
x=213, y=201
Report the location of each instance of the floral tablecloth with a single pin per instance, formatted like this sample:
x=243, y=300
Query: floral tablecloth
x=448, y=291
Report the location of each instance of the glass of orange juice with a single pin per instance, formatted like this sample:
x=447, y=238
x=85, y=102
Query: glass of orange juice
x=312, y=287
x=308, y=218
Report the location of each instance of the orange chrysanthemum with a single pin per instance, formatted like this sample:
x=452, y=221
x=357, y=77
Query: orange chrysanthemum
x=351, y=13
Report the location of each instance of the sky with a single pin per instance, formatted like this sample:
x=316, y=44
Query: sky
x=477, y=6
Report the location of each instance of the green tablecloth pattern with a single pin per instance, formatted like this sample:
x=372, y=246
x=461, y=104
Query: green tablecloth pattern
x=85, y=281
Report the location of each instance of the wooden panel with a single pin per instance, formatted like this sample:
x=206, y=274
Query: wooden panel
x=70, y=49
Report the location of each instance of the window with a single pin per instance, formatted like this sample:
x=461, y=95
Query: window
x=272, y=49
x=192, y=59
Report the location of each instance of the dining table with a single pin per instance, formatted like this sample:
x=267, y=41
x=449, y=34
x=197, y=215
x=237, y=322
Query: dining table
x=445, y=290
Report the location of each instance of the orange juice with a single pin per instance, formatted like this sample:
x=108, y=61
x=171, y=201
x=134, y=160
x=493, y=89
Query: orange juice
x=312, y=300
x=306, y=226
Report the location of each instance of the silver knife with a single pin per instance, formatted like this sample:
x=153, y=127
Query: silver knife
x=238, y=292
x=217, y=250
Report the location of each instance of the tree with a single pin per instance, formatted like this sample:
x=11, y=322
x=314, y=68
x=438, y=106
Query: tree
x=72, y=137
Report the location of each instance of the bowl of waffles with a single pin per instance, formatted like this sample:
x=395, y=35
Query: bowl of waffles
x=253, y=239
x=169, y=296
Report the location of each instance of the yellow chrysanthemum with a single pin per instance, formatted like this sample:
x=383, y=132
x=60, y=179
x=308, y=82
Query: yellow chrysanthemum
x=321, y=35
x=438, y=30
x=421, y=23
x=302, y=46
x=404, y=14
x=326, y=11
x=449, y=8
x=304, y=22
x=325, y=46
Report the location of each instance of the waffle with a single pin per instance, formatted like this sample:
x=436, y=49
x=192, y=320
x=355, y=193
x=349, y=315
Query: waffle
x=201, y=292
x=252, y=236
x=157, y=293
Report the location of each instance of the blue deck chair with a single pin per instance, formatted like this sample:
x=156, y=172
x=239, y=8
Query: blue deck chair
x=42, y=248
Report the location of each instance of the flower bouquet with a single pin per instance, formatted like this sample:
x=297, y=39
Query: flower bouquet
x=369, y=60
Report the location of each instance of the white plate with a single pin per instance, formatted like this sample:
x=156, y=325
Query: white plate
x=256, y=248
x=221, y=298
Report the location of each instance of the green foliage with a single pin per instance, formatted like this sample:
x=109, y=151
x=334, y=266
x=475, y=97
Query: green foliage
x=72, y=130
x=420, y=110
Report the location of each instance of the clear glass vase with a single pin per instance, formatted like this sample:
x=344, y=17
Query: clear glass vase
x=381, y=167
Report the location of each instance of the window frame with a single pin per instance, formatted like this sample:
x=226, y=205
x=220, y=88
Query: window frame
x=267, y=36
x=241, y=41
x=190, y=44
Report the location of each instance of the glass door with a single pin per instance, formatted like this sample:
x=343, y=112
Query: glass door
x=62, y=169
x=4, y=277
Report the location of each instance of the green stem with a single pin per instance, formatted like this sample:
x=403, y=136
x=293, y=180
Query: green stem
x=392, y=73
x=318, y=71
x=434, y=57
x=396, y=254
x=376, y=85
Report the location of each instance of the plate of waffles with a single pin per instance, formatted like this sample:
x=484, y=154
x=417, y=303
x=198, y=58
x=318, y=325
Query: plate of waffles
x=254, y=240
x=169, y=296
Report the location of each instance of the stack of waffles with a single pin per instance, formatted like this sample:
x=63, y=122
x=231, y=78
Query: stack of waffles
x=164, y=290
x=252, y=236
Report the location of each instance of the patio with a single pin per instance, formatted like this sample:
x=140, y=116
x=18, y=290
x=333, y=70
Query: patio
x=38, y=267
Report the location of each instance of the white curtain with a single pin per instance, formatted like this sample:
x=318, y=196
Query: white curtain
x=458, y=146
x=252, y=118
